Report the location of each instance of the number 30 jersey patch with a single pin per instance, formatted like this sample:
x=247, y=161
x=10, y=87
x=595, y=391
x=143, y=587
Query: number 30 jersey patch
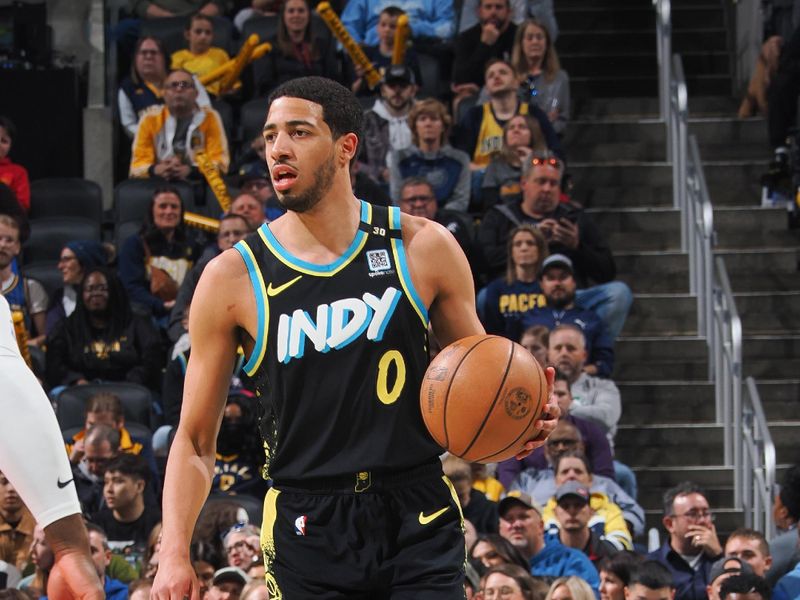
x=340, y=355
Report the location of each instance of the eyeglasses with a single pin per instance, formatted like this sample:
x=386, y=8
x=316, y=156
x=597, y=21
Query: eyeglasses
x=418, y=199
x=100, y=288
x=698, y=515
x=180, y=85
x=566, y=443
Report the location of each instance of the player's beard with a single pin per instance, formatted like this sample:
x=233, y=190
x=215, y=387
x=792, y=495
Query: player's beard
x=305, y=201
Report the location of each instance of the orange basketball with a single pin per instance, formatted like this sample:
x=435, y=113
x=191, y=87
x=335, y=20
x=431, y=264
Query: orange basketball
x=481, y=396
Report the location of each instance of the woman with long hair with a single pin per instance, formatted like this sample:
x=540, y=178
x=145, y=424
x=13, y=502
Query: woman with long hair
x=507, y=298
x=522, y=136
x=103, y=340
x=492, y=549
x=297, y=50
x=511, y=582
x=545, y=83
x=570, y=588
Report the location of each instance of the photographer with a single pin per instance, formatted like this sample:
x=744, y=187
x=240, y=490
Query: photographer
x=568, y=230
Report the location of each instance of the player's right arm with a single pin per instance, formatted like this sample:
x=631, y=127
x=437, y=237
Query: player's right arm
x=222, y=294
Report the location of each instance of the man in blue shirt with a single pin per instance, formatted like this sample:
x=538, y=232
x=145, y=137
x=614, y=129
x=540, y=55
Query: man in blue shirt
x=521, y=524
x=101, y=556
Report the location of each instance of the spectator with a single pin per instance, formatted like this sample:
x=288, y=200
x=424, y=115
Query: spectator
x=381, y=55
x=568, y=230
x=507, y=298
x=477, y=509
x=200, y=58
x=11, y=174
x=24, y=295
x=540, y=9
x=692, y=545
x=232, y=228
x=170, y=137
x=417, y=198
x=43, y=559
x=534, y=340
x=75, y=258
x=242, y=546
x=154, y=262
x=573, y=465
x=160, y=9
x=721, y=570
x=544, y=81
x=480, y=131
x=428, y=19
x=126, y=518
x=491, y=37
x=227, y=584
x=429, y=156
x=521, y=524
x=750, y=546
x=512, y=582
x=151, y=555
x=522, y=136
x=103, y=339
x=786, y=512
x=746, y=587
x=570, y=588
x=386, y=123
x=486, y=483
x=240, y=454
x=254, y=179
x=100, y=446
x=788, y=586
x=101, y=556
x=651, y=580
x=248, y=206
x=253, y=9
x=297, y=50
x=492, y=549
x=615, y=574
x=570, y=517
x=16, y=526
x=595, y=399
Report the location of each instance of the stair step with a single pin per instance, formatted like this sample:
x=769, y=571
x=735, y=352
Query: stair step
x=699, y=106
x=613, y=86
x=686, y=369
x=628, y=64
x=663, y=314
x=771, y=312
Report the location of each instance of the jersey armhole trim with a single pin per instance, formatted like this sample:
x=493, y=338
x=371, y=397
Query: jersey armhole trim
x=402, y=267
x=262, y=308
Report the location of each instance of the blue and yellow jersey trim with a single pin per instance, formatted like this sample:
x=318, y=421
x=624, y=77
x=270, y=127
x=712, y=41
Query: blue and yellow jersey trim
x=262, y=308
x=403, y=273
x=308, y=268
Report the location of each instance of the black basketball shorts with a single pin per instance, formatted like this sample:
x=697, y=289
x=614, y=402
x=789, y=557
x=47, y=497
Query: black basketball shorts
x=398, y=538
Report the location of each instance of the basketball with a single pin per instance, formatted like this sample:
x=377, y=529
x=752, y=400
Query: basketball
x=481, y=396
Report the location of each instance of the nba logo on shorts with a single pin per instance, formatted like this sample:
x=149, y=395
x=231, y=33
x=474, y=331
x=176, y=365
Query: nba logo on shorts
x=378, y=260
x=300, y=525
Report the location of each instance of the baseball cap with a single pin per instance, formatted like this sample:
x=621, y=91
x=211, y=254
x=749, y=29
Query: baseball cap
x=729, y=564
x=575, y=489
x=228, y=574
x=251, y=171
x=557, y=260
x=517, y=497
x=399, y=74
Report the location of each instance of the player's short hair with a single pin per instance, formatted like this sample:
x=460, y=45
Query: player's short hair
x=341, y=111
x=105, y=402
x=130, y=465
x=392, y=11
x=651, y=574
x=745, y=584
x=752, y=534
x=684, y=488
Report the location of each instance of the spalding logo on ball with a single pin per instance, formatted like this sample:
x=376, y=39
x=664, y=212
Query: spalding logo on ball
x=481, y=397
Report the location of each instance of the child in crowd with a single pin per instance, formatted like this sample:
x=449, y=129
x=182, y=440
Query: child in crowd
x=201, y=57
x=381, y=55
x=13, y=175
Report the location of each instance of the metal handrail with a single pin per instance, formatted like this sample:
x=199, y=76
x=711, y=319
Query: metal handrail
x=664, y=51
x=700, y=222
x=758, y=464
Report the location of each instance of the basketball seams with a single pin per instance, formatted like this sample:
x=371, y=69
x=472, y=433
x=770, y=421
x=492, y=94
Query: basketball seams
x=450, y=385
x=490, y=411
x=534, y=415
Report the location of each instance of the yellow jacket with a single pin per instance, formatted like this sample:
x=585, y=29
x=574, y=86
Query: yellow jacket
x=607, y=521
x=153, y=141
x=200, y=64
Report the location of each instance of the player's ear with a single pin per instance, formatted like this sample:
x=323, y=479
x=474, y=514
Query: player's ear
x=348, y=146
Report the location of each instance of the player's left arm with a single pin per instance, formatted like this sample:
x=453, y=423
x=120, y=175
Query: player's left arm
x=442, y=276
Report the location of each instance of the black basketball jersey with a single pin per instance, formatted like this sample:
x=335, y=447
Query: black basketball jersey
x=340, y=354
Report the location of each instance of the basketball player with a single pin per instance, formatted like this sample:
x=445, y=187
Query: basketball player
x=32, y=457
x=331, y=302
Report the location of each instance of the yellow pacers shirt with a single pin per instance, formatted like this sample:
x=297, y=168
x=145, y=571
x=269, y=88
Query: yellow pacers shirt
x=200, y=64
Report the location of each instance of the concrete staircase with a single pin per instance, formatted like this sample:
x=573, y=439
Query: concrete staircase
x=617, y=153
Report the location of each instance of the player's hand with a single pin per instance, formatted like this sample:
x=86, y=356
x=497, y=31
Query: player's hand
x=550, y=417
x=706, y=538
x=74, y=577
x=175, y=580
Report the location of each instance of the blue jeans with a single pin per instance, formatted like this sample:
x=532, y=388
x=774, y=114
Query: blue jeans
x=611, y=301
x=626, y=479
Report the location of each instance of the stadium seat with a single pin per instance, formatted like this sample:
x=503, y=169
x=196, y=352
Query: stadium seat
x=47, y=274
x=170, y=31
x=66, y=197
x=226, y=114
x=265, y=27
x=49, y=235
x=252, y=117
x=254, y=506
x=431, y=85
x=137, y=402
